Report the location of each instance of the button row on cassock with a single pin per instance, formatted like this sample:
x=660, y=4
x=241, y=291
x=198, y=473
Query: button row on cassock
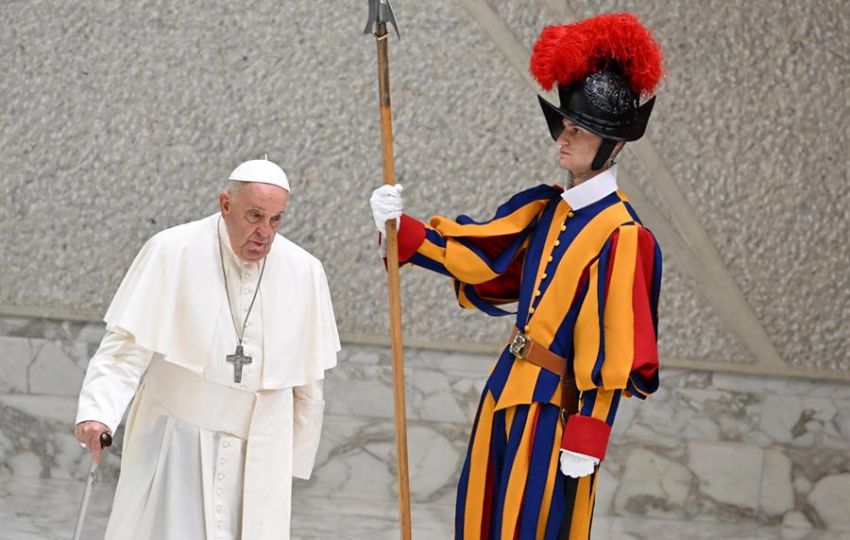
x=549, y=260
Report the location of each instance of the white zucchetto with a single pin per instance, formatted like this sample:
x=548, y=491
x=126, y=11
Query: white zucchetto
x=262, y=171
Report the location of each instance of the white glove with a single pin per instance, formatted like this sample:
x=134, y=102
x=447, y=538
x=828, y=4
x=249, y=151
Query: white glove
x=386, y=204
x=576, y=465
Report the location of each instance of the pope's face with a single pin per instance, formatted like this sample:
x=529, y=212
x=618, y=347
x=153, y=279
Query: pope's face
x=253, y=213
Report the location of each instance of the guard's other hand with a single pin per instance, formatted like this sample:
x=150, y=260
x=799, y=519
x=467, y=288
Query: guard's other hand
x=387, y=204
x=88, y=433
x=576, y=465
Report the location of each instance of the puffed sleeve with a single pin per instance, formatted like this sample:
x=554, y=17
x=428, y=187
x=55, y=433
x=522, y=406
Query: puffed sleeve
x=616, y=332
x=484, y=259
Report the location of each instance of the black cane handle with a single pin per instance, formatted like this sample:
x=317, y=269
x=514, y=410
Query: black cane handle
x=105, y=440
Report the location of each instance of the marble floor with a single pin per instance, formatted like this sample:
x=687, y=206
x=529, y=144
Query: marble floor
x=41, y=509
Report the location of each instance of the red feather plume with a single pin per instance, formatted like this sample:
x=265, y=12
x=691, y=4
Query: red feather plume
x=568, y=53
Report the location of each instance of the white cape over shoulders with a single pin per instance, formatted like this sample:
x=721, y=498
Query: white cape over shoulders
x=173, y=294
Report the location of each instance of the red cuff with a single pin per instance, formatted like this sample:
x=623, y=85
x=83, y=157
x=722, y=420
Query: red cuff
x=411, y=235
x=586, y=435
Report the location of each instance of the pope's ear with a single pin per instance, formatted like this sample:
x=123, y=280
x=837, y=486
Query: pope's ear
x=224, y=203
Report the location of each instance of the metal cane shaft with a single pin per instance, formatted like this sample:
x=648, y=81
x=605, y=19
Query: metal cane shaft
x=105, y=442
x=84, y=504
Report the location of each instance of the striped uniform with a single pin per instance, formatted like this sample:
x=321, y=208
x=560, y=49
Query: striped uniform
x=587, y=284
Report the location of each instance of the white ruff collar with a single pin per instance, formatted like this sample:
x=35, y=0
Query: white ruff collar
x=590, y=191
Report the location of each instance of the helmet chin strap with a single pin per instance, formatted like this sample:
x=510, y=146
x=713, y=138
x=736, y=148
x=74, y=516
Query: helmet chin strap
x=602, y=155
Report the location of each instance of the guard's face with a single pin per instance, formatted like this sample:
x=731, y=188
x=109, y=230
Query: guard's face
x=577, y=148
x=253, y=215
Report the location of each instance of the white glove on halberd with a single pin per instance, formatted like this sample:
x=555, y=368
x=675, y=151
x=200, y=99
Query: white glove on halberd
x=386, y=204
x=576, y=465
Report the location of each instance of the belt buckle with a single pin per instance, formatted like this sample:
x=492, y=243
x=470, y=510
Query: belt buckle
x=519, y=345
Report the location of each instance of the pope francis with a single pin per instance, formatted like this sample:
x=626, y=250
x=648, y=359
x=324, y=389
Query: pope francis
x=220, y=334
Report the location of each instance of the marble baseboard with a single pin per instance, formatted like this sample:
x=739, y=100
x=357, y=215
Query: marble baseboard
x=446, y=388
x=49, y=358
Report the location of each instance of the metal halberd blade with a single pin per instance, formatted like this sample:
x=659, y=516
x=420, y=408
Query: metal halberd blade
x=380, y=11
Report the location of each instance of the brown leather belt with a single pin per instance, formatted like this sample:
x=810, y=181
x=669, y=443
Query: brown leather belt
x=524, y=347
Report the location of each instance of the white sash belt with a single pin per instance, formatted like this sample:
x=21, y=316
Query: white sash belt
x=263, y=419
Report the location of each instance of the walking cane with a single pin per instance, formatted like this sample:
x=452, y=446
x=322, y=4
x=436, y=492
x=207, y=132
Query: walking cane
x=105, y=442
x=381, y=13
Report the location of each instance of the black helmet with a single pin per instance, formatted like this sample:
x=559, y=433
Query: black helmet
x=601, y=66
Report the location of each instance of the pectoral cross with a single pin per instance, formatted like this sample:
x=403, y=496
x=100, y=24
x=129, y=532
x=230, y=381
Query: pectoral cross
x=238, y=359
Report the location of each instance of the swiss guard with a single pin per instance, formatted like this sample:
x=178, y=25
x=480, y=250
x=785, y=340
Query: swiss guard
x=585, y=275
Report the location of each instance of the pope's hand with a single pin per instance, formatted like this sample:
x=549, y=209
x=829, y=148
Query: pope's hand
x=88, y=433
x=576, y=465
x=386, y=204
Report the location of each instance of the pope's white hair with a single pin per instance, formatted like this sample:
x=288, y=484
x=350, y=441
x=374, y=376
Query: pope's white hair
x=233, y=187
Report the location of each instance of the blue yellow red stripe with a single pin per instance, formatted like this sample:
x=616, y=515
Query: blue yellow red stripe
x=586, y=283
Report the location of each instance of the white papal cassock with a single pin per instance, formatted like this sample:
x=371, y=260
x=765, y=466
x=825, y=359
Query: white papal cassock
x=205, y=457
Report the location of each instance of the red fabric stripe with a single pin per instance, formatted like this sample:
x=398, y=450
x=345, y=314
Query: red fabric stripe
x=411, y=235
x=645, y=345
x=492, y=246
x=586, y=435
x=505, y=286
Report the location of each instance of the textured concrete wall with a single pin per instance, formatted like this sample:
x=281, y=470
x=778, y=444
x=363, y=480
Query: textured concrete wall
x=119, y=119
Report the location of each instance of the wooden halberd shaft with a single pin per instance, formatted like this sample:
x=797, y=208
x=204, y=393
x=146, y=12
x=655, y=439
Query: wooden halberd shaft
x=393, y=284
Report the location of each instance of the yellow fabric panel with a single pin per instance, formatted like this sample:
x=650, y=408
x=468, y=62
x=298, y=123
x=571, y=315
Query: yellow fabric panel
x=552, y=234
x=465, y=265
x=548, y=490
x=602, y=405
x=509, y=421
x=593, y=485
x=510, y=224
x=618, y=322
x=583, y=509
x=458, y=259
x=587, y=333
x=478, y=465
x=432, y=251
x=546, y=323
x=463, y=300
x=559, y=296
x=519, y=387
x=518, y=477
x=557, y=398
